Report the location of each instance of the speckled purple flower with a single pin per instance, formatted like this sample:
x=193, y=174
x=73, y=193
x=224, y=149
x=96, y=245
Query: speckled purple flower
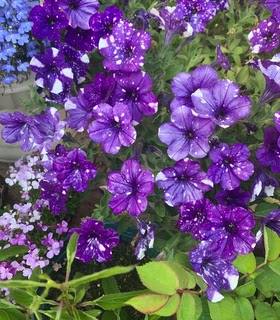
x=146, y=237
x=233, y=198
x=79, y=12
x=102, y=23
x=269, y=154
x=134, y=90
x=265, y=37
x=222, y=103
x=231, y=228
x=230, y=164
x=130, y=188
x=272, y=221
x=80, y=39
x=185, y=84
x=20, y=128
x=52, y=71
x=218, y=273
x=184, y=182
x=112, y=127
x=95, y=242
x=193, y=215
x=222, y=60
x=186, y=134
x=271, y=4
x=124, y=49
x=48, y=20
x=74, y=170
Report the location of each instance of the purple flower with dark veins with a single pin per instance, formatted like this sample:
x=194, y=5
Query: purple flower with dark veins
x=112, y=127
x=141, y=19
x=184, y=182
x=269, y=154
x=130, y=188
x=185, y=84
x=272, y=221
x=134, y=90
x=102, y=23
x=193, y=215
x=146, y=236
x=186, y=134
x=233, y=198
x=79, y=12
x=95, y=242
x=52, y=71
x=231, y=228
x=124, y=49
x=265, y=37
x=230, y=164
x=48, y=20
x=222, y=103
x=20, y=128
x=222, y=60
x=218, y=273
x=74, y=170
x=80, y=39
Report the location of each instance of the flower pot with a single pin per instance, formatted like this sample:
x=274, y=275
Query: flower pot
x=10, y=101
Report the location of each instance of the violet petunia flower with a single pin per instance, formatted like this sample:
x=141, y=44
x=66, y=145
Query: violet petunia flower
x=230, y=164
x=134, y=90
x=218, y=273
x=79, y=12
x=186, y=134
x=141, y=19
x=48, y=20
x=130, y=188
x=80, y=39
x=193, y=215
x=124, y=49
x=265, y=37
x=269, y=154
x=102, y=23
x=52, y=71
x=74, y=170
x=231, y=228
x=271, y=4
x=112, y=127
x=272, y=221
x=20, y=128
x=222, y=103
x=233, y=198
x=146, y=237
x=222, y=60
x=185, y=84
x=184, y=182
x=95, y=242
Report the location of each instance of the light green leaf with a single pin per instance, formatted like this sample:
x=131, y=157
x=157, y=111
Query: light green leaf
x=272, y=244
x=275, y=266
x=171, y=306
x=276, y=308
x=109, y=285
x=223, y=310
x=268, y=282
x=21, y=297
x=244, y=309
x=264, y=311
x=21, y=284
x=190, y=307
x=71, y=250
x=246, y=290
x=12, y=252
x=245, y=263
x=148, y=303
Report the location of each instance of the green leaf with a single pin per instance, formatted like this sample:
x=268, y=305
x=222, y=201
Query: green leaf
x=264, y=311
x=265, y=208
x=244, y=309
x=190, y=307
x=246, y=290
x=21, y=284
x=12, y=252
x=21, y=297
x=11, y=314
x=182, y=274
x=171, y=306
x=276, y=308
x=245, y=263
x=275, y=266
x=109, y=285
x=99, y=275
x=85, y=315
x=71, y=250
x=148, y=303
x=268, y=282
x=225, y=309
x=271, y=244
x=159, y=277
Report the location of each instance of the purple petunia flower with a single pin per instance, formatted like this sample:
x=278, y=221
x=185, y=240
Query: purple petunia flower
x=79, y=12
x=48, y=20
x=141, y=19
x=184, y=85
x=113, y=127
x=184, y=182
x=218, y=273
x=269, y=154
x=134, y=90
x=222, y=103
x=130, y=188
x=146, y=234
x=80, y=39
x=124, y=49
x=79, y=111
x=20, y=128
x=230, y=165
x=102, y=23
x=231, y=228
x=233, y=198
x=193, y=215
x=74, y=170
x=52, y=71
x=272, y=221
x=186, y=134
x=271, y=4
x=265, y=37
x=221, y=61
x=95, y=242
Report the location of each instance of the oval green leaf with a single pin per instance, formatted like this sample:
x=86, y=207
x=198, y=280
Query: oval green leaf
x=148, y=303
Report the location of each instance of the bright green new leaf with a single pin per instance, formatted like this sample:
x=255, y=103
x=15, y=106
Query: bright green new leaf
x=272, y=244
x=248, y=289
x=264, y=311
x=275, y=266
x=190, y=307
x=21, y=284
x=223, y=310
x=245, y=263
x=244, y=309
x=71, y=250
x=12, y=251
x=268, y=282
x=21, y=297
x=148, y=303
x=171, y=306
